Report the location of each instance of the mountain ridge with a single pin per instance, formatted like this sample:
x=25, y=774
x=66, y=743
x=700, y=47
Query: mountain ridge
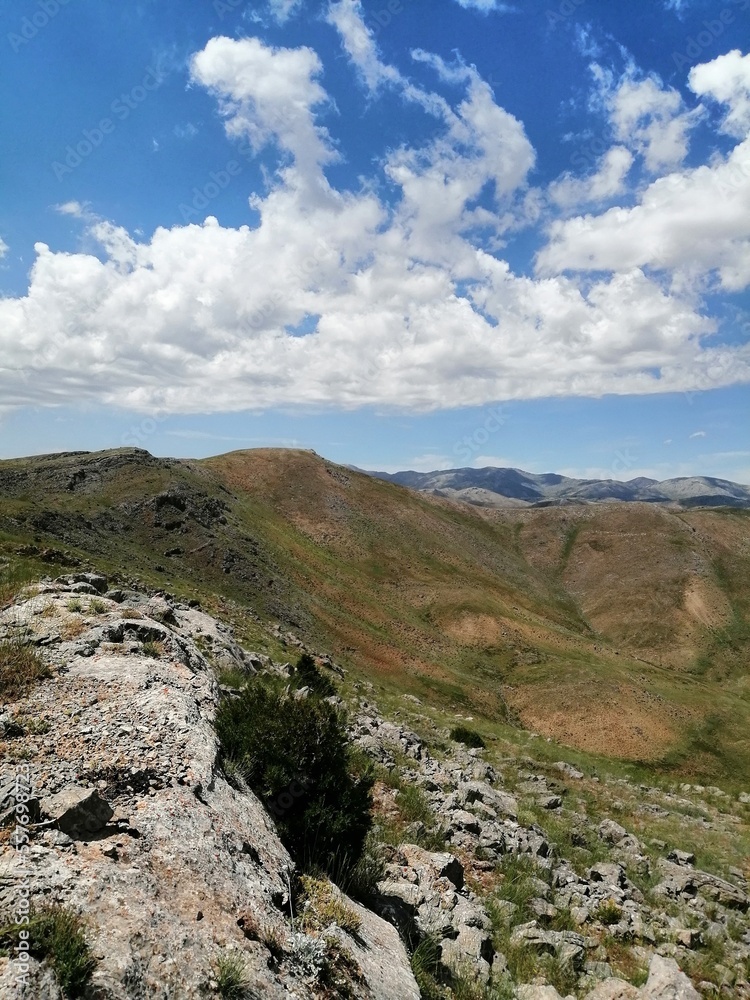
x=492, y=486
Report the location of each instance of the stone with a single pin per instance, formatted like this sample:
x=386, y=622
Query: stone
x=613, y=989
x=531, y=992
x=667, y=982
x=681, y=857
x=569, y=770
x=611, y=832
x=78, y=812
x=689, y=938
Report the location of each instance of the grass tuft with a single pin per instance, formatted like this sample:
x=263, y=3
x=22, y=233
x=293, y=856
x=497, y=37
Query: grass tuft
x=21, y=668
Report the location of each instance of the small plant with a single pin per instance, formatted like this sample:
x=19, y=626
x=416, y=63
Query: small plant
x=57, y=935
x=231, y=977
x=425, y=964
x=325, y=905
x=469, y=737
x=131, y=613
x=75, y=604
x=21, y=667
x=153, y=649
x=608, y=913
x=73, y=628
x=97, y=607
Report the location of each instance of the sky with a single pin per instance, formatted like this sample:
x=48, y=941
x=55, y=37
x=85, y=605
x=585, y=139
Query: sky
x=407, y=234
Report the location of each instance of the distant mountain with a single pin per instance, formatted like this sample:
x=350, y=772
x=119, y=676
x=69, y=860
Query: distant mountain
x=493, y=487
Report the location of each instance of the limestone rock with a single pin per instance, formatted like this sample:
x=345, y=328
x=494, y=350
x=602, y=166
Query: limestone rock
x=667, y=982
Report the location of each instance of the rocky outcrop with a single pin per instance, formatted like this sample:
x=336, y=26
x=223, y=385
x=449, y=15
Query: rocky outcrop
x=138, y=828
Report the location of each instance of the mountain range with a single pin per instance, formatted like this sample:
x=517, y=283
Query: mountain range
x=494, y=487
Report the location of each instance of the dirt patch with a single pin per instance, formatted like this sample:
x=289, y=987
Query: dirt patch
x=617, y=722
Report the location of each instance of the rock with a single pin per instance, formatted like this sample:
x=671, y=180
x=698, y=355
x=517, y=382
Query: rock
x=685, y=882
x=380, y=954
x=78, y=812
x=613, y=989
x=569, y=770
x=689, y=938
x=537, y=993
x=681, y=857
x=550, y=802
x=667, y=982
x=611, y=832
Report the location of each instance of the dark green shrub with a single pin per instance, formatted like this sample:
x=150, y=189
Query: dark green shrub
x=295, y=755
x=306, y=674
x=469, y=737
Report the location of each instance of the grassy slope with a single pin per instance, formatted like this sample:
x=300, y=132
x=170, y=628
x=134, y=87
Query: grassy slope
x=617, y=629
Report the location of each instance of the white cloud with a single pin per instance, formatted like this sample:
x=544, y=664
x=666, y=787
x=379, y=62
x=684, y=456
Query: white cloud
x=606, y=183
x=647, y=117
x=3, y=248
x=414, y=311
x=282, y=10
x=74, y=208
x=727, y=80
x=697, y=434
x=695, y=222
x=269, y=95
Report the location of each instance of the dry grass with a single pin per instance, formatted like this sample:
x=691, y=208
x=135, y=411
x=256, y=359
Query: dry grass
x=21, y=668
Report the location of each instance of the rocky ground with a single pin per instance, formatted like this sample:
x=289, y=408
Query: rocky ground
x=522, y=890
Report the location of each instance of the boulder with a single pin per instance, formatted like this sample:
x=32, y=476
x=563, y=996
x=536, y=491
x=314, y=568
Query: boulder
x=667, y=982
x=79, y=812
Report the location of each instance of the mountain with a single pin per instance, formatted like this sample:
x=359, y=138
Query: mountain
x=493, y=487
x=618, y=629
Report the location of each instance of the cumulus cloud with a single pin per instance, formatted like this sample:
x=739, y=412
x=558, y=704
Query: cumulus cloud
x=727, y=80
x=606, y=183
x=346, y=299
x=3, y=248
x=648, y=118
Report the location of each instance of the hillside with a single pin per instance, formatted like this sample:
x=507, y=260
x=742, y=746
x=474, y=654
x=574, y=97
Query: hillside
x=618, y=630
x=494, y=487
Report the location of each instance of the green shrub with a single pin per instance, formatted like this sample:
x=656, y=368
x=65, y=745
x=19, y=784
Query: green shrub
x=57, y=935
x=469, y=737
x=326, y=906
x=75, y=604
x=295, y=755
x=306, y=674
x=97, y=607
x=608, y=913
x=21, y=667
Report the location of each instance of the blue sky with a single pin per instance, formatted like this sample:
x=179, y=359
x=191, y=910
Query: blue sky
x=405, y=233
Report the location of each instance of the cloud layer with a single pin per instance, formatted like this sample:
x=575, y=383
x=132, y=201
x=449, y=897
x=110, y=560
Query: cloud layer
x=349, y=299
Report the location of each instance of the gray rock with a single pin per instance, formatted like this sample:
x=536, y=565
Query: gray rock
x=611, y=832
x=681, y=857
x=613, y=989
x=667, y=982
x=78, y=812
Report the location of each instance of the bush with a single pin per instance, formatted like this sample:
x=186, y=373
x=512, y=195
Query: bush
x=57, y=935
x=469, y=737
x=306, y=674
x=425, y=965
x=295, y=755
x=21, y=667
